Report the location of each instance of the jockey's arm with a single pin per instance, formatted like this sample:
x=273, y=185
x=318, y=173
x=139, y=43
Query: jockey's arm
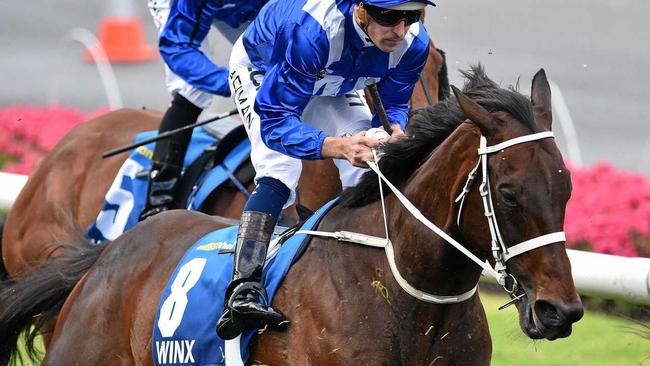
x=396, y=87
x=287, y=88
x=187, y=26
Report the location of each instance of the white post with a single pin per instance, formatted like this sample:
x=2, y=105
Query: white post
x=106, y=75
x=561, y=111
x=644, y=162
x=10, y=186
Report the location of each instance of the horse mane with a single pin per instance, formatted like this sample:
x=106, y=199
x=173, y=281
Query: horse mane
x=429, y=127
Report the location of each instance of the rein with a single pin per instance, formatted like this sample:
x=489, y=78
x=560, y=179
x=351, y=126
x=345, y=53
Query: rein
x=427, y=91
x=500, y=252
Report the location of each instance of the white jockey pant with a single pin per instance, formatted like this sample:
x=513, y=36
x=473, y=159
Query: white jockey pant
x=337, y=116
x=159, y=10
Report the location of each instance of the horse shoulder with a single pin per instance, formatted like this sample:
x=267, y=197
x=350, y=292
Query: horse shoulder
x=332, y=308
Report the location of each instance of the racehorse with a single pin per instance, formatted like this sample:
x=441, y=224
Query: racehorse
x=67, y=188
x=345, y=302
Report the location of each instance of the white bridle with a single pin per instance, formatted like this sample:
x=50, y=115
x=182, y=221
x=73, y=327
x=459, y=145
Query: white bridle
x=500, y=252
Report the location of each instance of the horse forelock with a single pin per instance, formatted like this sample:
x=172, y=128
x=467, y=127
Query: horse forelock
x=429, y=127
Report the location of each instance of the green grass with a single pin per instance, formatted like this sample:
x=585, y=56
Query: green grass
x=4, y=159
x=25, y=360
x=597, y=340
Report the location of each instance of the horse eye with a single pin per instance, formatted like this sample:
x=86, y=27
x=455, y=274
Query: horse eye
x=508, y=196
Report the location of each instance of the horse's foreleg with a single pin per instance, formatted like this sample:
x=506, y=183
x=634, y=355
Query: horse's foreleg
x=464, y=327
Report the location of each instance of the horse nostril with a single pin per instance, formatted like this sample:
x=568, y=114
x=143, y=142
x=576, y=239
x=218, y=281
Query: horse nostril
x=554, y=316
x=575, y=313
x=547, y=314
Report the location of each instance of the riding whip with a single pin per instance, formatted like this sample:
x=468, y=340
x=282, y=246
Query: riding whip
x=379, y=107
x=167, y=134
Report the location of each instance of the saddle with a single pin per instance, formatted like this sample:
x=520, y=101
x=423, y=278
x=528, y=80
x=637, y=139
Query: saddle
x=189, y=306
x=217, y=156
x=229, y=133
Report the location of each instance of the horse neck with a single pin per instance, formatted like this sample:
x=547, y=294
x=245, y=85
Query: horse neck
x=427, y=261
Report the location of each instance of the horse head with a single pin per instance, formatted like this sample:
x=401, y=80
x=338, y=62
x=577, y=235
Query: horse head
x=528, y=187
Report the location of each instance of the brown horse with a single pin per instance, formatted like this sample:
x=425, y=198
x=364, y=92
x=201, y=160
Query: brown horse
x=67, y=189
x=343, y=300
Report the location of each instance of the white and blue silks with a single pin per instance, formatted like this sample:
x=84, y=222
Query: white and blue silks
x=309, y=48
x=185, y=30
x=184, y=326
x=126, y=197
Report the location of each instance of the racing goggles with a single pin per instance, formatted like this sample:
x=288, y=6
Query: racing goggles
x=390, y=18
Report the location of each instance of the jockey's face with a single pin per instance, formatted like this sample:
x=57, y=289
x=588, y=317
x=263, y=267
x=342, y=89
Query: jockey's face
x=387, y=38
x=386, y=27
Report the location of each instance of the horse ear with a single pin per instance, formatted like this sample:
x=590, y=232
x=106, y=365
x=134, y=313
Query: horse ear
x=477, y=114
x=540, y=96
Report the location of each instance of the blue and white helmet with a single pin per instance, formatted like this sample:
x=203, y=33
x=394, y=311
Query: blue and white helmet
x=399, y=4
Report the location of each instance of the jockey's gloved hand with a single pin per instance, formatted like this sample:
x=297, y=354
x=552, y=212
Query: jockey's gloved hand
x=356, y=148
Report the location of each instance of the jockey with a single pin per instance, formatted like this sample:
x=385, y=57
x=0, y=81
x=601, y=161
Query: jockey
x=191, y=78
x=297, y=75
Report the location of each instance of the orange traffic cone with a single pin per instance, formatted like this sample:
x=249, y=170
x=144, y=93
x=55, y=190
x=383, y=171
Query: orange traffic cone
x=121, y=35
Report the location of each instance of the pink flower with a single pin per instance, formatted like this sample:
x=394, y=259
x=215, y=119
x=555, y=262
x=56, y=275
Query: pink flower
x=607, y=209
x=29, y=132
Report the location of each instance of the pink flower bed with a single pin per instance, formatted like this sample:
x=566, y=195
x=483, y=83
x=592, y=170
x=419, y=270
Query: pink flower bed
x=29, y=132
x=609, y=210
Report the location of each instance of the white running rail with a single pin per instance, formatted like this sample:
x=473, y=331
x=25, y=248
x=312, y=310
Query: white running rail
x=608, y=276
x=611, y=275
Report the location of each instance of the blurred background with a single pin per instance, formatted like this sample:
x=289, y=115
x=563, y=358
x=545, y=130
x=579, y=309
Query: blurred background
x=595, y=52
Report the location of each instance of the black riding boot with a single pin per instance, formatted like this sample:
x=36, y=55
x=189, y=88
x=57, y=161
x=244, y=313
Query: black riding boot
x=168, y=156
x=246, y=304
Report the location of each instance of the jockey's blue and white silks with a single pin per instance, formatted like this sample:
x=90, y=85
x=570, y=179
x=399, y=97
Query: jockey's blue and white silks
x=309, y=48
x=126, y=197
x=187, y=26
x=192, y=300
